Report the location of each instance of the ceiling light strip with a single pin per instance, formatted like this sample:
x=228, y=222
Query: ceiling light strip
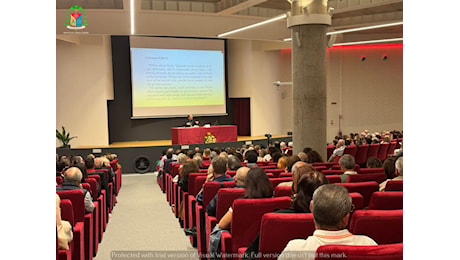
x=365, y=28
x=368, y=42
x=131, y=6
x=274, y=19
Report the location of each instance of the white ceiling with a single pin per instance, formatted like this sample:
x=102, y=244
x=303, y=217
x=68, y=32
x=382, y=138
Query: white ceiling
x=208, y=18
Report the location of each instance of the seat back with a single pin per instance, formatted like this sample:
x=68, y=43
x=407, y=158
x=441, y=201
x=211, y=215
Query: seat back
x=93, y=184
x=329, y=150
x=276, y=181
x=67, y=211
x=373, y=150
x=247, y=215
x=210, y=190
x=277, y=229
x=383, y=151
x=77, y=198
x=396, y=185
x=328, y=165
x=334, y=178
x=276, y=172
x=364, y=188
x=231, y=173
x=225, y=198
x=59, y=180
x=386, y=200
x=88, y=187
x=332, y=172
x=199, y=181
x=282, y=191
x=361, y=155
x=384, y=226
x=96, y=177
x=378, y=177
x=285, y=174
x=391, y=148
x=371, y=170
x=379, y=252
x=191, y=182
x=351, y=150
x=357, y=199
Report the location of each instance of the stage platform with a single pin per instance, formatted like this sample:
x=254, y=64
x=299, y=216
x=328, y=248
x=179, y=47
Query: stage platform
x=130, y=153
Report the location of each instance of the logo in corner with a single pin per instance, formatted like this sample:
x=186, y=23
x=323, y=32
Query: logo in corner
x=76, y=18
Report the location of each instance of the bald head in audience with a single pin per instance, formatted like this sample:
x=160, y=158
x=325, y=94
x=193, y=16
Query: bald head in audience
x=240, y=175
x=73, y=175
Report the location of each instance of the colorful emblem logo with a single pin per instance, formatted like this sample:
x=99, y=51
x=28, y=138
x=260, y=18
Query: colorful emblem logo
x=76, y=18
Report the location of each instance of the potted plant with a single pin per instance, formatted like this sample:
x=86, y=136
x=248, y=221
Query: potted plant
x=64, y=137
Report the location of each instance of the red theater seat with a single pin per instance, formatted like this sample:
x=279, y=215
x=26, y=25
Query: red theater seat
x=67, y=214
x=396, y=185
x=373, y=150
x=378, y=177
x=383, y=151
x=384, y=226
x=334, y=178
x=351, y=150
x=247, y=216
x=379, y=252
x=364, y=188
x=277, y=229
x=361, y=155
x=282, y=191
x=386, y=200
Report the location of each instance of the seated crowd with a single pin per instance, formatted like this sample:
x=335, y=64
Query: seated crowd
x=330, y=204
x=94, y=176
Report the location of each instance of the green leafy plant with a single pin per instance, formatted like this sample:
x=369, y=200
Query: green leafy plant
x=64, y=137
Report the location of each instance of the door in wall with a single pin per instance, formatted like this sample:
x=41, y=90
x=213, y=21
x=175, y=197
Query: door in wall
x=242, y=115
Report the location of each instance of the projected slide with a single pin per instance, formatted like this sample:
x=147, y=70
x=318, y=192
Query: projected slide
x=176, y=82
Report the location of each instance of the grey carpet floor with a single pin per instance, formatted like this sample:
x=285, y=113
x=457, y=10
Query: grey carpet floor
x=142, y=224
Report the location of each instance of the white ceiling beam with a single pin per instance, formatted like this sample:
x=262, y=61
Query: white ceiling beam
x=226, y=7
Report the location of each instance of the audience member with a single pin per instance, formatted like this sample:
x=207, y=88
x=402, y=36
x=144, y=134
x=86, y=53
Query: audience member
x=257, y=186
x=347, y=165
x=314, y=157
x=239, y=178
x=72, y=181
x=64, y=229
x=373, y=162
x=233, y=163
x=398, y=173
x=338, y=151
x=303, y=156
x=290, y=160
x=164, y=157
x=216, y=173
x=282, y=163
x=331, y=206
x=251, y=158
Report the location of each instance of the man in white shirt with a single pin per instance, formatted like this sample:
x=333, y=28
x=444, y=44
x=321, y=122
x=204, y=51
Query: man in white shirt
x=331, y=207
x=338, y=151
x=398, y=173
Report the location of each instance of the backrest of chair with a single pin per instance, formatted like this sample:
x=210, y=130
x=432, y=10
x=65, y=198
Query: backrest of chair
x=225, y=198
x=93, y=183
x=383, y=151
x=96, y=177
x=88, y=187
x=231, y=173
x=191, y=182
x=379, y=252
x=391, y=148
x=384, y=226
x=365, y=188
x=378, y=177
x=276, y=181
x=247, y=215
x=371, y=170
x=77, y=198
x=357, y=199
x=333, y=178
x=67, y=211
x=351, y=150
x=282, y=191
x=361, y=154
x=210, y=190
x=59, y=180
x=396, y=185
x=199, y=181
x=328, y=165
x=337, y=167
x=114, y=164
x=332, y=172
x=320, y=168
x=373, y=150
x=277, y=229
x=276, y=172
x=386, y=200
x=285, y=174
x=329, y=150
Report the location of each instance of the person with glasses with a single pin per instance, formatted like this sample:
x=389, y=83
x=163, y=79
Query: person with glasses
x=331, y=207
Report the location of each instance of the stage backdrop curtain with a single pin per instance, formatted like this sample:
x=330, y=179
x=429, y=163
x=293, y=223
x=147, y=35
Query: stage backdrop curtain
x=241, y=116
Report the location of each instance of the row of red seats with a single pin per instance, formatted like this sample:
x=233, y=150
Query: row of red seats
x=88, y=228
x=362, y=152
x=195, y=214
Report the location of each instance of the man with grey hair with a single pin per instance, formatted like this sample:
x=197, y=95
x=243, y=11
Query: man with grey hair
x=398, y=173
x=331, y=206
x=338, y=151
x=347, y=165
x=72, y=181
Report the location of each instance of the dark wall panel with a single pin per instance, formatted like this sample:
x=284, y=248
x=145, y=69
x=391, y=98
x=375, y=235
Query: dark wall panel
x=121, y=127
